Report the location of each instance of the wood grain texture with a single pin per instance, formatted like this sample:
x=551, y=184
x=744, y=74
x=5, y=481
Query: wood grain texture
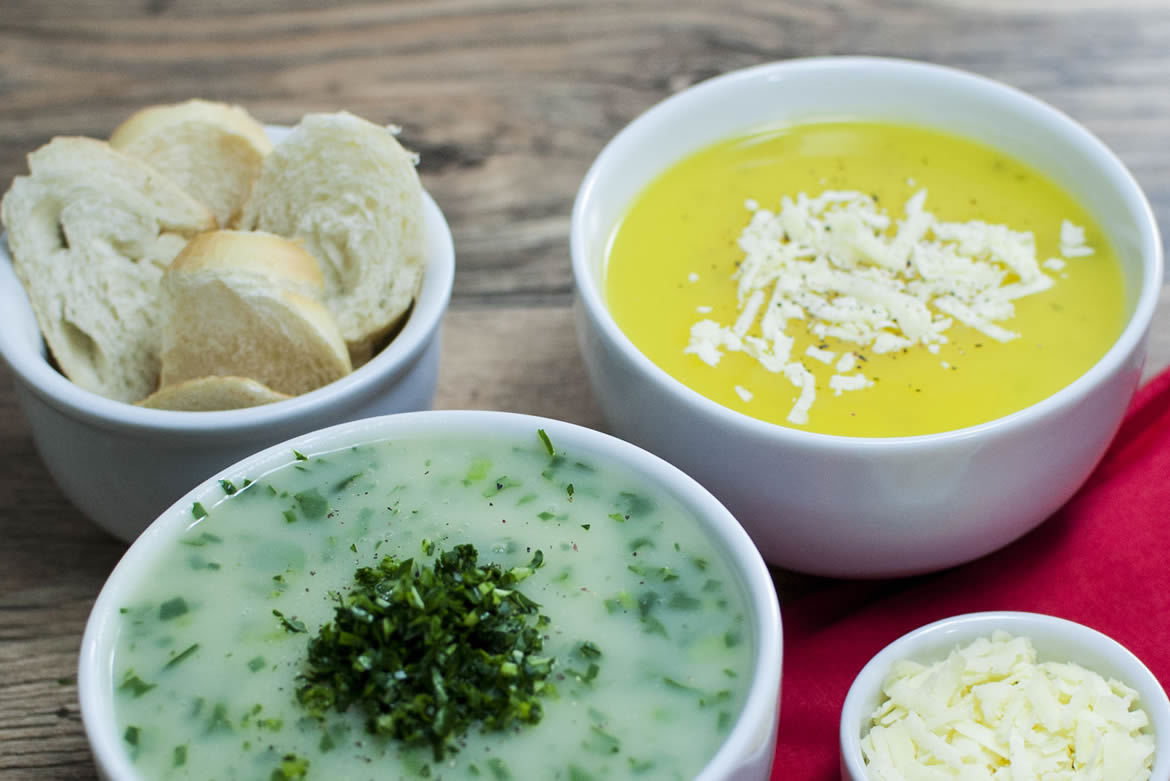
x=507, y=101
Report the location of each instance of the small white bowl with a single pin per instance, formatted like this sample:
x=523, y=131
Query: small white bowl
x=1055, y=640
x=745, y=754
x=850, y=506
x=121, y=465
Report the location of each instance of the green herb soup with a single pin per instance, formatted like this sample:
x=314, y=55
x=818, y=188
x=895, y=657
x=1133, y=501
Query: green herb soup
x=646, y=625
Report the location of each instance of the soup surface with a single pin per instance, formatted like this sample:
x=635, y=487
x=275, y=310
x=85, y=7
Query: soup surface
x=206, y=674
x=674, y=257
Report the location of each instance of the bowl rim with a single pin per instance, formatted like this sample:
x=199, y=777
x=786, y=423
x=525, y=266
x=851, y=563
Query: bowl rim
x=32, y=368
x=1035, y=110
x=95, y=662
x=967, y=627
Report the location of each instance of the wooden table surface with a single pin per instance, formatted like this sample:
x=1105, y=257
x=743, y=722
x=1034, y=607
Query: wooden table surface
x=507, y=102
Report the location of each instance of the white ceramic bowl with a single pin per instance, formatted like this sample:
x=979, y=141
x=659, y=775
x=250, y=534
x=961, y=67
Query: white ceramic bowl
x=848, y=506
x=1055, y=640
x=746, y=753
x=122, y=465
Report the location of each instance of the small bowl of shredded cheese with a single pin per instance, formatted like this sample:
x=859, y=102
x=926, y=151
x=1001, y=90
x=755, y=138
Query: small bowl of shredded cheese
x=1005, y=695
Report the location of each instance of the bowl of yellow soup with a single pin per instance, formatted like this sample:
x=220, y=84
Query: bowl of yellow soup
x=437, y=594
x=889, y=313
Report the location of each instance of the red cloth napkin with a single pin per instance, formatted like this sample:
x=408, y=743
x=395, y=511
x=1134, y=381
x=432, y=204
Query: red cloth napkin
x=1103, y=560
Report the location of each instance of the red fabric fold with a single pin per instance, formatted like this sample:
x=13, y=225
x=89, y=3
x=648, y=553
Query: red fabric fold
x=1103, y=560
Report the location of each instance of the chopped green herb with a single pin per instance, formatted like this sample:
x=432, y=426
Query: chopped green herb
x=477, y=471
x=256, y=663
x=197, y=511
x=548, y=446
x=219, y=721
x=585, y=526
x=131, y=735
x=633, y=505
x=601, y=742
x=577, y=774
x=291, y=767
x=290, y=624
x=724, y=720
x=313, y=505
x=498, y=485
x=680, y=600
x=344, y=482
x=699, y=562
x=206, y=538
x=326, y=745
x=353, y=547
x=641, y=542
x=618, y=517
x=732, y=638
x=179, y=756
x=175, y=661
x=569, y=491
x=499, y=770
x=290, y=516
x=172, y=608
x=228, y=487
x=300, y=456
x=546, y=515
x=589, y=650
x=135, y=685
x=639, y=766
x=421, y=650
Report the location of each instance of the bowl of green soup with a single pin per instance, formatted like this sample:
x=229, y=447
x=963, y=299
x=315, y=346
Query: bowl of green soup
x=889, y=313
x=451, y=595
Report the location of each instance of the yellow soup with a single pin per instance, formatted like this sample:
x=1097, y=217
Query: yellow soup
x=674, y=256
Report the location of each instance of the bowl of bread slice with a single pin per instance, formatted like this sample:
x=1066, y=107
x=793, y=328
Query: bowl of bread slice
x=201, y=286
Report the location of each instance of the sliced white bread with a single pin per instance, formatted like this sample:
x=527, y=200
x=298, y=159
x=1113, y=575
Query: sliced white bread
x=91, y=230
x=214, y=151
x=207, y=394
x=242, y=304
x=348, y=191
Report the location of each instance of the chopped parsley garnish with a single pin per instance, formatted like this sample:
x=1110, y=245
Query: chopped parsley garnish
x=179, y=756
x=548, y=446
x=228, y=487
x=197, y=511
x=290, y=624
x=428, y=652
x=172, y=608
x=190, y=650
x=291, y=768
x=300, y=456
x=131, y=735
x=135, y=685
x=312, y=504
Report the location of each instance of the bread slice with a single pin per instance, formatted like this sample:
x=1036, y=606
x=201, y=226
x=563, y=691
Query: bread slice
x=207, y=394
x=242, y=304
x=348, y=191
x=212, y=150
x=91, y=231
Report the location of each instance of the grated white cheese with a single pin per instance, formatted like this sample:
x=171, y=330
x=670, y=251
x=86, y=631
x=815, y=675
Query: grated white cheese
x=847, y=362
x=848, y=382
x=692, y=277
x=816, y=353
x=839, y=267
x=1072, y=241
x=991, y=712
x=703, y=310
x=743, y=393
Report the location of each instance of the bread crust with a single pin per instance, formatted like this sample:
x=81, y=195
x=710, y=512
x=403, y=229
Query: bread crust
x=91, y=231
x=348, y=191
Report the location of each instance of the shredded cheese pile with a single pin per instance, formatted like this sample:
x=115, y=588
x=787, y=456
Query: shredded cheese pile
x=838, y=264
x=991, y=712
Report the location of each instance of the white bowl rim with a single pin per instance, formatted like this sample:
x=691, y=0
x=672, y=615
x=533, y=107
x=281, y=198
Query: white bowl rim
x=1094, y=149
x=760, y=705
x=1018, y=623
x=423, y=320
